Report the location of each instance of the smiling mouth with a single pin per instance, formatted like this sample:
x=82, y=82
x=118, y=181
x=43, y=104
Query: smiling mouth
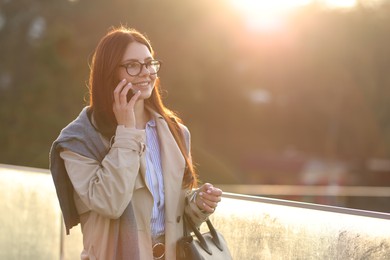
x=141, y=84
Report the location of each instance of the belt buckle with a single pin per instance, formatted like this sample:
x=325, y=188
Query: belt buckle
x=158, y=251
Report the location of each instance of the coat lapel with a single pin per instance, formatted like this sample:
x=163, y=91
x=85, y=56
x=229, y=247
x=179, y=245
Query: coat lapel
x=173, y=164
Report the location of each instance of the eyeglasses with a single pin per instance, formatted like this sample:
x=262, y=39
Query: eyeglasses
x=134, y=68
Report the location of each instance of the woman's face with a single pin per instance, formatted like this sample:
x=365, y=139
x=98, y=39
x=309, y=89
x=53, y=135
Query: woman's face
x=144, y=81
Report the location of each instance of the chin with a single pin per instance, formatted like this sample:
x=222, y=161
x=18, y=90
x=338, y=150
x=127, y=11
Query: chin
x=145, y=95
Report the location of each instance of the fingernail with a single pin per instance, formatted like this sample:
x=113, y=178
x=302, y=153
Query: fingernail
x=129, y=84
x=123, y=80
x=201, y=194
x=208, y=191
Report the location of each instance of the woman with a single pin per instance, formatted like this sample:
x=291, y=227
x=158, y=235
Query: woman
x=123, y=167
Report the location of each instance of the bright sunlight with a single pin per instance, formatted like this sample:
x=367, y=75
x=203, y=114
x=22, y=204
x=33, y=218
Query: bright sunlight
x=266, y=15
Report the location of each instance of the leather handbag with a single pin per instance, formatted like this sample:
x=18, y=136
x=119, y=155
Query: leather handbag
x=196, y=246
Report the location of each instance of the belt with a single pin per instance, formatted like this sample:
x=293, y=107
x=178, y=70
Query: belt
x=158, y=251
x=159, y=248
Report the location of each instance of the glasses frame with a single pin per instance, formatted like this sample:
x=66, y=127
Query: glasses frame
x=146, y=64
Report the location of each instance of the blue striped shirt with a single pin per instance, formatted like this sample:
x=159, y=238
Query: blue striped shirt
x=154, y=178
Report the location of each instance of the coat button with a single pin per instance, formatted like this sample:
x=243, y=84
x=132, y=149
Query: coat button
x=178, y=219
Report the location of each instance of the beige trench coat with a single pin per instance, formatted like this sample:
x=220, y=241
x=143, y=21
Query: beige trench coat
x=100, y=204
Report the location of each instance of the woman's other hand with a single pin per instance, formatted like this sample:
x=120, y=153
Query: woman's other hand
x=208, y=197
x=124, y=109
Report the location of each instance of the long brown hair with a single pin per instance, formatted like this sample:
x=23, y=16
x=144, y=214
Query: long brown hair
x=103, y=80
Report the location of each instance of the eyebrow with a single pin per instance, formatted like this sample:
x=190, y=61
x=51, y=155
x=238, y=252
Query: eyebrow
x=130, y=60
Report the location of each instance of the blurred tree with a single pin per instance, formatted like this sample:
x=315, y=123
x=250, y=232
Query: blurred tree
x=320, y=88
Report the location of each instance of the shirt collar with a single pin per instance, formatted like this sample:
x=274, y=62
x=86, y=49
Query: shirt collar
x=151, y=123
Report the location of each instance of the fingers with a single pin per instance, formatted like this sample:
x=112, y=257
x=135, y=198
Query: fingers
x=118, y=90
x=123, y=108
x=121, y=94
x=211, y=192
x=209, y=197
x=208, y=208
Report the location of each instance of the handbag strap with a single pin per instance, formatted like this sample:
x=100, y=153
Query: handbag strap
x=197, y=233
x=214, y=235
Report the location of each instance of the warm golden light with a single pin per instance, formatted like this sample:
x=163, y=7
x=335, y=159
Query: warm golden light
x=268, y=15
x=340, y=3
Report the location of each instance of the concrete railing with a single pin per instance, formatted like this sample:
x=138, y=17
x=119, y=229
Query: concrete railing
x=263, y=228
x=254, y=227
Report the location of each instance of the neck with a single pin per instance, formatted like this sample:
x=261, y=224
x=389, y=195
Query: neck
x=141, y=115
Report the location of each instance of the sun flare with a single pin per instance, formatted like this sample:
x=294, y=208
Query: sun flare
x=340, y=3
x=266, y=15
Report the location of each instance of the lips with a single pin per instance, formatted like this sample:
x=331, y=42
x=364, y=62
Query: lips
x=141, y=84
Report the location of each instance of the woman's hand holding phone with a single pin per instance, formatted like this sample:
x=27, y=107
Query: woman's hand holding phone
x=124, y=103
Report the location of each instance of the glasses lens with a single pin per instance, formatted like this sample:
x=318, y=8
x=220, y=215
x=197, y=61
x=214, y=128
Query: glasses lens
x=133, y=68
x=153, y=66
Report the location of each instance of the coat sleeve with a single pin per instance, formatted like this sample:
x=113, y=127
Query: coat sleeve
x=107, y=187
x=193, y=211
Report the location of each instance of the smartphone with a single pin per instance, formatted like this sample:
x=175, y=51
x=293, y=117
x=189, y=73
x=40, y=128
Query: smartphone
x=130, y=94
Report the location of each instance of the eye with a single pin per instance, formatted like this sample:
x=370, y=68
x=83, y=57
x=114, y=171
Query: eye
x=132, y=65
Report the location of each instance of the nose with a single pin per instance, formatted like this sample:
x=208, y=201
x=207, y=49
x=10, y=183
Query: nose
x=144, y=70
